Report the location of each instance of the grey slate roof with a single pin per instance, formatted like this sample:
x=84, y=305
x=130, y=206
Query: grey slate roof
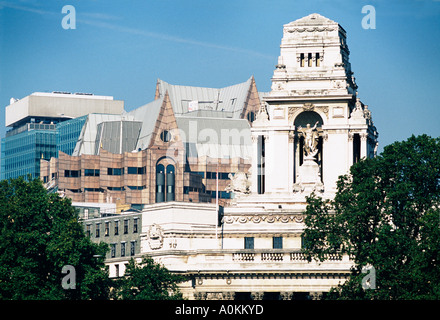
x=215, y=137
x=213, y=129
x=230, y=99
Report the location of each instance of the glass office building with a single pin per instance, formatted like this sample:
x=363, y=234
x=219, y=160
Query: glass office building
x=42, y=124
x=67, y=133
x=22, y=149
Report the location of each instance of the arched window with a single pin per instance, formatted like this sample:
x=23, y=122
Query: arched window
x=170, y=183
x=160, y=183
x=165, y=182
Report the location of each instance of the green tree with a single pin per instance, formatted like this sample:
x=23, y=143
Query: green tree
x=39, y=235
x=148, y=280
x=386, y=214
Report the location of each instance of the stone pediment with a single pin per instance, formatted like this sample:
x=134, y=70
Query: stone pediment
x=313, y=19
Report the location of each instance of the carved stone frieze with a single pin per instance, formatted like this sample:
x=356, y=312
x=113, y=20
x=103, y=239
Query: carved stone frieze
x=214, y=295
x=269, y=218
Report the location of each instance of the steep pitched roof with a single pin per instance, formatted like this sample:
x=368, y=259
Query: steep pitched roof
x=229, y=99
x=148, y=115
x=87, y=138
x=215, y=137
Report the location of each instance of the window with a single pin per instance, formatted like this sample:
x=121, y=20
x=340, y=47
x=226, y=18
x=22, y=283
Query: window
x=88, y=230
x=251, y=116
x=113, y=250
x=170, y=196
x=165, y=136
x=277, y=242
x=136, y=170
x=318, y=60
x=135, y=225
x=72, y=173
x=93, y=190
x=302, y=59
x=221, y=175
x=132, y=248
x=200, y=173
x=116, y=188
x=115, y=171
x=249, y=242
x=221, y=194
x=116, y=227
x=309, y=58
x=125, y=226
x=91, y=172
x=304, y=244
x=98, y=226
x=136, y=187
x=160, y=183
x=122, y=249
x=117, y=270
x=86, y=213
x=356, y=147
x=165, y=182
x=107, y=229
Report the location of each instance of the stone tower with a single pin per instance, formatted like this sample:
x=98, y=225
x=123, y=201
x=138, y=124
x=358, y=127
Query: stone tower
x=312, y=126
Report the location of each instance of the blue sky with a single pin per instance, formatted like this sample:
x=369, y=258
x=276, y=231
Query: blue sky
x=121, y=47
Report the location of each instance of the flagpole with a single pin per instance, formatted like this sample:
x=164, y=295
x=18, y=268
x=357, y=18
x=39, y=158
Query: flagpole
x=216, y=203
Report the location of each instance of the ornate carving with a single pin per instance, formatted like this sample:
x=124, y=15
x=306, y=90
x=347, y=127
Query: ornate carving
x=268, y=218
x=155, y=237
x=257, y=295
x=308, y=107
x=286, y=295
x=240, y=183
x=214, y=295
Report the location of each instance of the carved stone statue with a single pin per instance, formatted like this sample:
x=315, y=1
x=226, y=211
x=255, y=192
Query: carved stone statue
x=155, y=237
x=310, y=139
x=240, y=183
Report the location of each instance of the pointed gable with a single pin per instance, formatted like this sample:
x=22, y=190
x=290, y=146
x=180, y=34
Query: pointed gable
x=165, y=128
x=252, y=102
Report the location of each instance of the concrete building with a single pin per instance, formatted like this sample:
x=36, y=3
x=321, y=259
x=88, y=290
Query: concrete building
x=309, y=130
x=37, y=128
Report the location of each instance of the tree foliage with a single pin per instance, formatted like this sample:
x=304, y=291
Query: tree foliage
x=39, y=234
x=386, y=213
x=148, y=280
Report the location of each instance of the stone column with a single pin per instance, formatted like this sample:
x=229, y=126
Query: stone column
x=254, y=187
x=350, y=150
x=268, y=164
x=291, y=164
x=364, y=137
